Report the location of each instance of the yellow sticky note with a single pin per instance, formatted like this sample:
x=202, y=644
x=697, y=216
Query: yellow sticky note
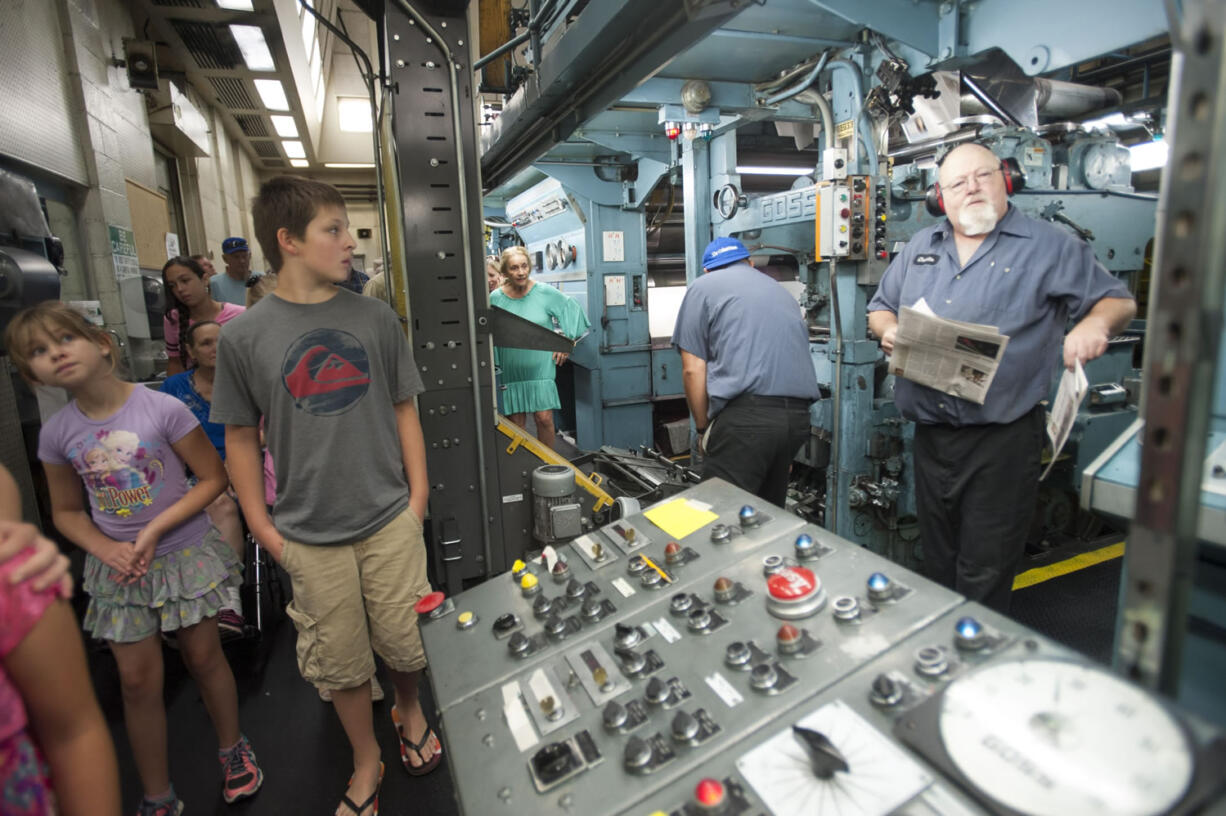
x=679, y=518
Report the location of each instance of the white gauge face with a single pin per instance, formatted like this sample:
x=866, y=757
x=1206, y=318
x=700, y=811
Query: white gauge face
x=1055, y=737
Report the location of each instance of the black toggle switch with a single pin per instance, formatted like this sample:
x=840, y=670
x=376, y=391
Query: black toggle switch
x=553, y=762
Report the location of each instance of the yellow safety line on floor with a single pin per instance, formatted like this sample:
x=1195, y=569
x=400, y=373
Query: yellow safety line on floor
x=1078, y=562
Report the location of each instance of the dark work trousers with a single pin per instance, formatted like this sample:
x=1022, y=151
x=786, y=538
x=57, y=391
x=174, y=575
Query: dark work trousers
x=975, y=492
x=752, y=442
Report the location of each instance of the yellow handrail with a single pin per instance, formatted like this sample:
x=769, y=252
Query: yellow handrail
x=519, y=436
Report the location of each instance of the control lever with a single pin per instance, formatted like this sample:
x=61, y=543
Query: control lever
x=825, y=759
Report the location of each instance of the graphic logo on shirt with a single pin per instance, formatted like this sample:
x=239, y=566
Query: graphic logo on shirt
x=326, y=371
x=927, y=260
x=120, y=471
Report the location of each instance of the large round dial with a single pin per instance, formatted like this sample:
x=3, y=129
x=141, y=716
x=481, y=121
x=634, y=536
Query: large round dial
x=1049, y=736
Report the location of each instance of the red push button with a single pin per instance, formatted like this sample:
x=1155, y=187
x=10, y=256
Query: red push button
x=792, y=584
x=429, y=603
x=709, y=793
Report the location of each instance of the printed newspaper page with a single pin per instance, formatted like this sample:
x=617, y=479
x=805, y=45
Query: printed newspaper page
x=951, y=356
x=1072, y=390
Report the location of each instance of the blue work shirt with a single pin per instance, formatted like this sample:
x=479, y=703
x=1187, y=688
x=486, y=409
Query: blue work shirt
x=751, y=334
x=1027, y=278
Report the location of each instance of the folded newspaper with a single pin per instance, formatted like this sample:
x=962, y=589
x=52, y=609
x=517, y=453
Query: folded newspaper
x=1072, y=390
x=951, y=356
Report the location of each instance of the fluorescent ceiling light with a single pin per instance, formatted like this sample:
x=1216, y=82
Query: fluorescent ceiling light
x=250, y=41
x=272, y=94
x=285, y=126
x=751, y=170
x=299, y=163
x=1149, y=155
x=349, y=166
x=353, y=114
x=294, y=150
x=235, y=5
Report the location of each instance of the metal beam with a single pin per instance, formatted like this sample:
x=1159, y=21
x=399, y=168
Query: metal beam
x=611, y=48
x=729, y=97
x=904, y=20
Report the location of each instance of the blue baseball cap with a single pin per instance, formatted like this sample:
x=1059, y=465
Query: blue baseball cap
x=234, y=244
x=723, y=251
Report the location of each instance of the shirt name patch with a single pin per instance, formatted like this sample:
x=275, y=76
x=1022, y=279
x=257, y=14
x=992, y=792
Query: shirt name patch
x=926, y=260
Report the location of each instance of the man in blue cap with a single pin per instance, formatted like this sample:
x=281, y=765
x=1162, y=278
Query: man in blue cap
x=748, y=377
x=232, y=286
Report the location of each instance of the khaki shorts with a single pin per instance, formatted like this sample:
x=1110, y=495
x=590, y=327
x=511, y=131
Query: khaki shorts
x=351, y=598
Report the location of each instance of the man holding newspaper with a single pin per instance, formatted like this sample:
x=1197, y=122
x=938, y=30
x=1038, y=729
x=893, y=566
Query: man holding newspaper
x=972, y=312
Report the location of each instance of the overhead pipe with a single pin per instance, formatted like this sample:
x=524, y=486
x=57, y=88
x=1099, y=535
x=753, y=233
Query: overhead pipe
x=1056, y=98
x=466, y=232
x=368, y=78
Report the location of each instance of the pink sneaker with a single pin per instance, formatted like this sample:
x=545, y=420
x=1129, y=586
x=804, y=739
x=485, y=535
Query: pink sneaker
x=243, y=774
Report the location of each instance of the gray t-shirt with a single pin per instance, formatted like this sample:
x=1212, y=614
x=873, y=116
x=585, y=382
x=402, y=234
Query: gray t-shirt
x=326, y=377
x=751, y=334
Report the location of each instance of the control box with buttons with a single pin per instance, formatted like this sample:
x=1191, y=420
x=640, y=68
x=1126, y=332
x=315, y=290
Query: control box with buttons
x=776, y=670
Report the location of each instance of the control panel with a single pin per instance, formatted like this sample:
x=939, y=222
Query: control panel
x=760, y=665
x=844, y=224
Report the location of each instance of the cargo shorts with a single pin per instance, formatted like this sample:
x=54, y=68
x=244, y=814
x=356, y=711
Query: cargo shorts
x=352, y=598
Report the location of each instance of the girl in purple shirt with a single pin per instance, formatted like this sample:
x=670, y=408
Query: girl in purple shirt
x=154, y=562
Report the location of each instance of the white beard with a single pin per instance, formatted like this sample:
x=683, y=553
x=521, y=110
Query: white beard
x=978, y=219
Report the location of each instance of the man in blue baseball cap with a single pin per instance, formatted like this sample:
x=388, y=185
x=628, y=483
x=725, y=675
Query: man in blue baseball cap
x=232, y=286
x=749, y=380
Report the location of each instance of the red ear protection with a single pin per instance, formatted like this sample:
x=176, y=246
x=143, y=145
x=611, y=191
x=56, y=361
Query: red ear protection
x=1015, y=180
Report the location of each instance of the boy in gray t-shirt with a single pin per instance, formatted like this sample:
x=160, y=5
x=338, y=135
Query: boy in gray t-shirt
x=334, y=379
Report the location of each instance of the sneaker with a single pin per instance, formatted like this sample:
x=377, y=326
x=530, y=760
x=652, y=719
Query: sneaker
x=167, y=807
x=243, y=775
x=376, y=692
x=230, y=624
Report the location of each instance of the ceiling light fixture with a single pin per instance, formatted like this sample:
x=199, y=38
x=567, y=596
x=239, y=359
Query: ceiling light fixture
x=294, y=150
x=348, y=166
x=272, y=94
x=299, y=163
x=235, y=5
x=255, y=51
x=285, y=126
x=753, y=170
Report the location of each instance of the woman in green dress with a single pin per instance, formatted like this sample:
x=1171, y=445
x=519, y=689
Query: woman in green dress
x=528, y=375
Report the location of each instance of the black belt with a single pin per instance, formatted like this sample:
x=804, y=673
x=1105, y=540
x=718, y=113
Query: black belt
x=771, y=402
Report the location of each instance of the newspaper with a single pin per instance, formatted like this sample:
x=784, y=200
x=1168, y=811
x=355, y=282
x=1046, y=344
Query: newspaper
x=1072, y=390
x=951, y=356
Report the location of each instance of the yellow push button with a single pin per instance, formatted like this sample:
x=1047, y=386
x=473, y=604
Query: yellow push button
x=528, y=581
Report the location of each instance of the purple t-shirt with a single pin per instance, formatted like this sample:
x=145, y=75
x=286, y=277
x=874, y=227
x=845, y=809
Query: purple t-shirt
x=127, y=464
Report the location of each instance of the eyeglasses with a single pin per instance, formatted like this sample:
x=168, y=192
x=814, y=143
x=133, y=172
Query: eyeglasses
x=982, y=177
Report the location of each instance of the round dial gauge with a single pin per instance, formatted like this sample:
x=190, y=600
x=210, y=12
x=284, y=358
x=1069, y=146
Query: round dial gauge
x=1056, y=737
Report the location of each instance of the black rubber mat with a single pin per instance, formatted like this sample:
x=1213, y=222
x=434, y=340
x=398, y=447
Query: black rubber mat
x=296, y=736
x=1077, y=609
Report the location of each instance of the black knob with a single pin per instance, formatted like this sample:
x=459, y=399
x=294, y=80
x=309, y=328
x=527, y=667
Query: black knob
x=638, y=753
x=518, y=644
x=591, y=609
x=626, y=635
x=885, y=691
x=542, y=606
x=505, y=623
x=685, y=727
x=575, y=589
x=554, y=625
x=633, y=663
x=824, y=758
x=680, y=603
x=614, y=715
x=657, y=691
x=763, y=676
